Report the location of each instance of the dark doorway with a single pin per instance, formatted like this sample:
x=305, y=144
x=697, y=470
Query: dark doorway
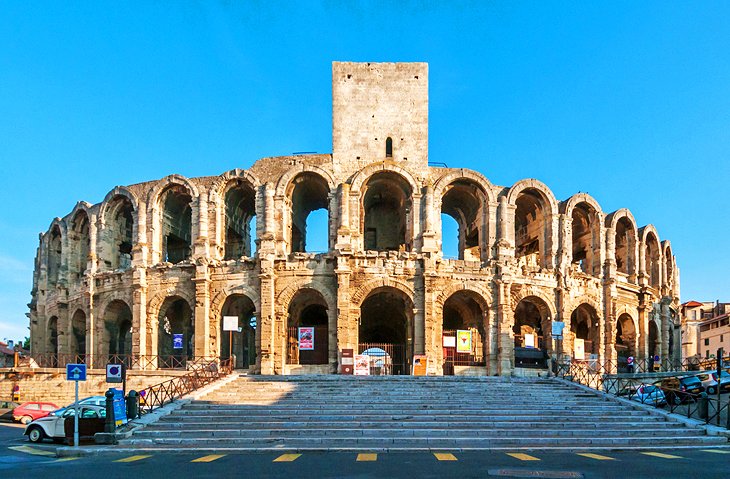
x=385, y=331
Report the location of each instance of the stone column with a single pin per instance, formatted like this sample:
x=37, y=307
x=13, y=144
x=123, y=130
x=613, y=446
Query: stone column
x=344, y=242
x=505, y=319
x=200, y=244
x=139, y=317
x=430, y=243
x=267, y=318
x=347, y=327
x=202, y=310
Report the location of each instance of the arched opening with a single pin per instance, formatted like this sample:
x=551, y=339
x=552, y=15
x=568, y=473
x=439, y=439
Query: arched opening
x=176, y=224
x=385, y=331
x=464, y=201
x=308, y=334
x=118, y=331
x=586, y=249
x=584, y=326
x=625, y=344
x=386, y=210
x=389, y=147
x=625, y=246
x=240, y=221
x=531, y=230
x=78, y=329
x=309, y=200
x=532, y=328
x=175, y=334
x=464, y=338
x=243, y=341
x=52, y=341
x=654, y=340
x=669, y=261
x=652, y=260
x=55, y=255
x=81, y=242
x=118, y=233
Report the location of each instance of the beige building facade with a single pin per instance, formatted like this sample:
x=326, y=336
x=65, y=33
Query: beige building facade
x=706, y=328
x=150, y=272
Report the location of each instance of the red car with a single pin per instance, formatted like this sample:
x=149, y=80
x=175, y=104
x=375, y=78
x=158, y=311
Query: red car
x=29, y=411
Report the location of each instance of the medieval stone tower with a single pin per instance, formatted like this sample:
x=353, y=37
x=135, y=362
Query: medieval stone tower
x=147, y=275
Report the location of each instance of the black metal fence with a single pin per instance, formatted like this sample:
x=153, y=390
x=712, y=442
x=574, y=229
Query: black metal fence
x=99, y=361
x=385, y=358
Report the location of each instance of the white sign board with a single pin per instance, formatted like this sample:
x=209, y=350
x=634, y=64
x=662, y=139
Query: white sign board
x=529, y=340
x=362, y=365
x=449, y=341
x=579, y=349
x=114, y=373
x=230, y=323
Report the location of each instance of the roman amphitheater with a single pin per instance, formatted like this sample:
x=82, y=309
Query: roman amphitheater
x=149, y=273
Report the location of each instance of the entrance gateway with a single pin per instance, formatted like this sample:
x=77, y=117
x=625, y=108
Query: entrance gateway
x=386, y=331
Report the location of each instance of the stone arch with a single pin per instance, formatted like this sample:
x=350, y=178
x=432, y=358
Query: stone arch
x=55, y=251
x=283, y=299
x=531, y=328
x=585, y=324
x=481, y=294
x=520, y=293
x=533, y=210
x=154, y=304
x=613, y=218
x=178, y=318
x=79, y=240
x=444, y=181
x=532, y=184
x=361, y=177
x=284, y=185
x=585, y=219
x=668, y=265
x=241, y=343
x=305, y=194
x=566, y=207
x=386, y=213
x=623, y=247
x=228, y=178
x=78, y=332
x=651, y=255
x=110, y=197
x=238, y=238
x=177, y=247
x=219, y=299
x=364, y=291
x=153, y=197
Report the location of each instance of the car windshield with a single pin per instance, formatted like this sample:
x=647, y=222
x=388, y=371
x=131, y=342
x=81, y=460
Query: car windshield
x=649, y=389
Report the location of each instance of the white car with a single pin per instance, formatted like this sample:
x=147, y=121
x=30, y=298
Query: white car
x=52, y=426
x=649, y=394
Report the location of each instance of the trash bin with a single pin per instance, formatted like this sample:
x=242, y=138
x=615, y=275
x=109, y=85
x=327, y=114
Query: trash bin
x=702, y=405
x=132, y=404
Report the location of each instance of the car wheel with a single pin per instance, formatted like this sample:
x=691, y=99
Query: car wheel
x=36, y=434
x=711, y=390
x=26, y=420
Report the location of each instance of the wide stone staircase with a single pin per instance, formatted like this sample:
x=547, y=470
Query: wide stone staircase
x=410, y=413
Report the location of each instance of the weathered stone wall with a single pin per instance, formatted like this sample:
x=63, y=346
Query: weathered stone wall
x=135, y=306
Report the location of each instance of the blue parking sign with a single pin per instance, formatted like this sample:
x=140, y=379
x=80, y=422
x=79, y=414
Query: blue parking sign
x=177, y=341
x=76, y=372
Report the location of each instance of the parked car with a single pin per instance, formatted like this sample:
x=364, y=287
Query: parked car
x=6, y=410
x=32, y=410
x=648, y=394
x=91, y=400
x=52, y=427
x=709, y=381
x=680, y=390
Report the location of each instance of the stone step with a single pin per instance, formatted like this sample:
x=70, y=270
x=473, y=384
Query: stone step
x=442, y=415
x=395, y=409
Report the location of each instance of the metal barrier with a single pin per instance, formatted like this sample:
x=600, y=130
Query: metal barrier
x=99, y=361
x=167, y=391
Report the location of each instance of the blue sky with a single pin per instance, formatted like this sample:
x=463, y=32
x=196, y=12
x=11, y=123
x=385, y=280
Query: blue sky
x=629, y=102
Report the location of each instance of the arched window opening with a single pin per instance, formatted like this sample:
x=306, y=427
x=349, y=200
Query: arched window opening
x=625, y=246
x=240, y=221
x=175, y=334
x=584, y=325
x=464, y=202
x=310, y=193
x=531, y=330
x=242, y=343
x=449, y=237
x=386, y=331
x=176, y=225
x=652, y=260
x=55, y=254
x=654, y=340
x=389, y=147
x=386, y=209
x=81, y=243
x=53, y=335
x=117, y=238
x=78, y=327
x=586, y=249
x=669, y=261
x=463, y=331
x=118, y=331
x=625, y=344
x=308, y=336
x=530, y=230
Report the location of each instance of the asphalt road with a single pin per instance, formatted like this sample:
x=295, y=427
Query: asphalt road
x=18, y=458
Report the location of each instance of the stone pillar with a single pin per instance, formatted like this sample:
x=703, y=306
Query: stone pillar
x=347, y=327
x=140, y=344
x=506, y=340
x=344, y=243
x=200, y=244
x=430, y=243
x=664, y=332
x=416, y=235
x=267, y=318
x=643, y=331
x=433, y=320
x=202, y=311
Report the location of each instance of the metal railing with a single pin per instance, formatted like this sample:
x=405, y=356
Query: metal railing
x=99, y=361
x=168, y=391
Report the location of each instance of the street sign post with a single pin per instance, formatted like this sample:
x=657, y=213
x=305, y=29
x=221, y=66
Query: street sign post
x=76, y=373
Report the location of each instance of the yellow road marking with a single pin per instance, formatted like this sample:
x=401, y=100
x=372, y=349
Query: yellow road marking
x=522, y=457
x=596, y=456
x=132, y=458
x=32, y=450
x=445, y=456
x=287, y=458
x=66, y=459
x=717, y=451
x=663, y=456
x=209, y=458
x=363, y=457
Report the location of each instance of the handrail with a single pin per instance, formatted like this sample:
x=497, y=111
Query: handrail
x=168, y=391
x=131, y=361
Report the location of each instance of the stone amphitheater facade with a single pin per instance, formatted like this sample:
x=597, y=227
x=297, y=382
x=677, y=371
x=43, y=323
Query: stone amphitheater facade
x=173, y=256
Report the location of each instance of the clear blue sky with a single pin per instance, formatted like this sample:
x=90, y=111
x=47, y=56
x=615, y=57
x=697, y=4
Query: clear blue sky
x=629, y=102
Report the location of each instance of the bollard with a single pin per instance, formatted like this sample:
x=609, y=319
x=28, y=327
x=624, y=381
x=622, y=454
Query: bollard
x=702, y=405
x=109, y=424
x=132, y=405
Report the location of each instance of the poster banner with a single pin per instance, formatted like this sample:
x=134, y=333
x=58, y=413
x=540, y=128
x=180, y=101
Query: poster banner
x=362, y=365
x=449, y=341
x=579, y=349
x=529, y=340
x=230, y=323
x=420, y=364
x=177, y=341
x=120, y=408
x=463, y=341
x=306, y=338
